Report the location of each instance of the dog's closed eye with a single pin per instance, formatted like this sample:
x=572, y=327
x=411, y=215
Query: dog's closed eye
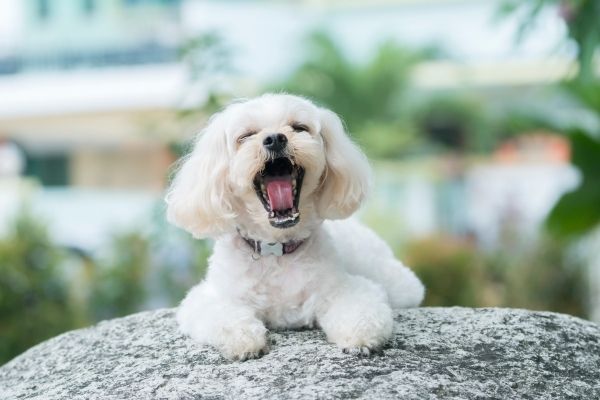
x=246, y=135
x=299, y=127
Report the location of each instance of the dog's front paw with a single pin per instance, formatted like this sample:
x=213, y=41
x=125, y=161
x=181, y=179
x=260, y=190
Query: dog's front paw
x=244, y=342
x=361, y=327
x=362, y=336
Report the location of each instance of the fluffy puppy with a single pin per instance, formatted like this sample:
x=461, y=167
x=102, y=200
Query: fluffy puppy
x=266, y=179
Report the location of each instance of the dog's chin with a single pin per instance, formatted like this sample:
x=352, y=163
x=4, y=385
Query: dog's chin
x=278, y=186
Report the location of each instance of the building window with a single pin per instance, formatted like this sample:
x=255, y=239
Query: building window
x=43, y=9
x=49, y=169
x=89, y=7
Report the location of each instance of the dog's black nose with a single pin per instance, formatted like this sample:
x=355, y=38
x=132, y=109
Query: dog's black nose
x=275, y=142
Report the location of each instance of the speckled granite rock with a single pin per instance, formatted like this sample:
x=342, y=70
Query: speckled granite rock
x=436, y=353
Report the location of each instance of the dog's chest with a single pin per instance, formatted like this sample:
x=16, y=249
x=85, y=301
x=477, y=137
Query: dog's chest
x=284, y=296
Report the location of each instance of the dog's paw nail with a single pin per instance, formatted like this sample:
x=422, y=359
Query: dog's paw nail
x=245, y=357
x=361, y=351
x=251, y=355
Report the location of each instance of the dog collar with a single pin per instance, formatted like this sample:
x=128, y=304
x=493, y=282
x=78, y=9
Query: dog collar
x=275, y=248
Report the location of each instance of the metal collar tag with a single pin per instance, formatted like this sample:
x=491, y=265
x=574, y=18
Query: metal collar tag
x=276, y=249
x=271, y=248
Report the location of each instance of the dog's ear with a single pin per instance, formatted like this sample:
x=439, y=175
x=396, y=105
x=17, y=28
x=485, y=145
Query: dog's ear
x=199, y=199
x=346, y=179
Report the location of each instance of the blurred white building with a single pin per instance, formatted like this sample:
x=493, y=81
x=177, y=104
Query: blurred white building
x=86, y=85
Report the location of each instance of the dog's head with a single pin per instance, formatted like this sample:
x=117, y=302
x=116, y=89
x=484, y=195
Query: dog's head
x=276, y=161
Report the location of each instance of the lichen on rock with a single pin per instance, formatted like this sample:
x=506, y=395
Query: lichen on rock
x=435, y=353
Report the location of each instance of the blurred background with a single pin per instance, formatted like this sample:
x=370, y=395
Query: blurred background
x=481, y=118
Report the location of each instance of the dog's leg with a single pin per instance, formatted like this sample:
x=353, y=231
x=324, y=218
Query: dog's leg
x=403, y=287
x=231, y=327
x=357, y=316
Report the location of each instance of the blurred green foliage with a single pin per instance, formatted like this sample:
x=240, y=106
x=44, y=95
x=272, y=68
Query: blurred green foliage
x=34, y=296
x=581, y=18
x=381, y=109
x=206, y=55
x=578, y=212
x=179, y=260
x=119, y=285
x=208, y=61
x=456, y=122
x=360, y=93
x=451, y=269
x=46, y=289
x=540, y=276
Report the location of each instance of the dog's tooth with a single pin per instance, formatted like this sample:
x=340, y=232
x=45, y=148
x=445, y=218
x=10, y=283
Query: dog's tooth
x=294, y=183
x=272, y=214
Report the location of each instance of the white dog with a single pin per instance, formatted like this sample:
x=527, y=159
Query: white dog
x=262, y=179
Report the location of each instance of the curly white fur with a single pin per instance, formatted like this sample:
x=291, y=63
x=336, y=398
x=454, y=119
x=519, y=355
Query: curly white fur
x=343, y=278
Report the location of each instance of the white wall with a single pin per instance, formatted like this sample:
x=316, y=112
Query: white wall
x=11, y=25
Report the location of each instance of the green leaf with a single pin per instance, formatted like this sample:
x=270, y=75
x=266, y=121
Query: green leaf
x=578, y=212
x=586, y=93
x=586, y=154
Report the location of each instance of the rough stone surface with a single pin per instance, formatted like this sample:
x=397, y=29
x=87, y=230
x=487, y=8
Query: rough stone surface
x=436, y=353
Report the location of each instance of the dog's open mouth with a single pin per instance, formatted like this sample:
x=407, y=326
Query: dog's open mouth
x=278, y=188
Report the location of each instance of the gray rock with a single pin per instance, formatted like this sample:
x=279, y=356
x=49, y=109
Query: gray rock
x=436, y=353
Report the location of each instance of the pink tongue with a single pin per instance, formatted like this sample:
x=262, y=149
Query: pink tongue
x=280, y=195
